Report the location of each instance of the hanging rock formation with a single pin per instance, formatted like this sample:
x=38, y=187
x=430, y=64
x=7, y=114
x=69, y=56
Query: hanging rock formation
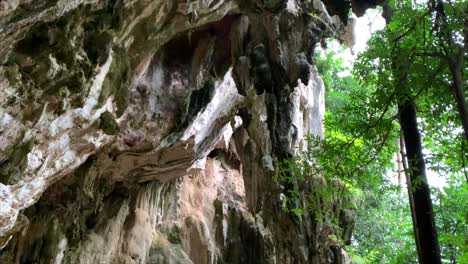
x=148, y=131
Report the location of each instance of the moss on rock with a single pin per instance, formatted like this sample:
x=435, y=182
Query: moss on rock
x=11, y=169
x=108, y=124
x=116, y=83
x=12, y=74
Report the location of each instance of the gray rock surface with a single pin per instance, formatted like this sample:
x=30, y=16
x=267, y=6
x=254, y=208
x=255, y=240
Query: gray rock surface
x=148, y=131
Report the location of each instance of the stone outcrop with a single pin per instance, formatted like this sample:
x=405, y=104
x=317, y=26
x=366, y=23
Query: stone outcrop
x=148, y=131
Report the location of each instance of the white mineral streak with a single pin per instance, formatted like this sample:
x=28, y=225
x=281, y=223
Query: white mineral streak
x=292, y=6
x=63, y=6
x=224, y=100
x=10, y=134
x=96, y=88
x=54, y=67
x=8, y=215
x=309, y=109
x=227, y=133
x=315, y=104
x=58, y=156
x=62, y=245
x=88, y=112
x=304, y=100
x=152, y=200
x=205, y=125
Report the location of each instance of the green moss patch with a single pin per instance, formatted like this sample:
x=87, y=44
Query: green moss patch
x=108, y=124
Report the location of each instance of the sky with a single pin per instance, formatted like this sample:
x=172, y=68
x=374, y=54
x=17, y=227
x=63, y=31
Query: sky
x=371, y=21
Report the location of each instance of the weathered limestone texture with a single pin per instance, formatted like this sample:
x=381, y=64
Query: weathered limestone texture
x=148, y=131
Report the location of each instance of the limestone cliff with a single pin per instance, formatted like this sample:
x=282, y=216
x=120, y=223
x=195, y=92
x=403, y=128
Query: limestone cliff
x=147, y=131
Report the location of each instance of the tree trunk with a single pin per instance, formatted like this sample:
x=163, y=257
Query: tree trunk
x=455, y=60
x=423, y=213
x=410, y=194
x=458, y=91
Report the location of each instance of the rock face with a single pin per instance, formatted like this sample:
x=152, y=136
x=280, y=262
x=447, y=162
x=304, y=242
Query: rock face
x=148, y=131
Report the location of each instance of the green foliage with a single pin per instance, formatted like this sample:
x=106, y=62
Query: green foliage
x=410, y=59
x=371, y=257
x=333, y=173
x=353, y=160
x=384, y=232
x=451, y=212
